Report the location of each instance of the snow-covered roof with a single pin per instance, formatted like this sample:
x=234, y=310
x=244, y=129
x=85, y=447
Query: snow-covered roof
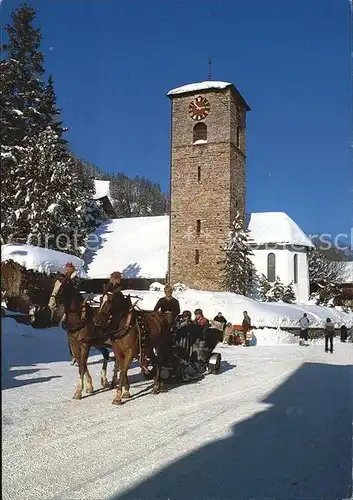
x=276, y=228
x=40, y=259
x=102, y=189
x=138, y=247
x=348, y=272
x=194, y=87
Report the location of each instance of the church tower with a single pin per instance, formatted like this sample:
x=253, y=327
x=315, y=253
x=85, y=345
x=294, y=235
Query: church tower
x=208, y=158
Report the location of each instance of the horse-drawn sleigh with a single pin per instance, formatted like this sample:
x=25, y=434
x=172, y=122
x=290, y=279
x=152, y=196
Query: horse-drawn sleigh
x=164, y=353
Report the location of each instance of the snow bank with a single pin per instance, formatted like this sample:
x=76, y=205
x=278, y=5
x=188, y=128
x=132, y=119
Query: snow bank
x=267, y=336
x=40, y=259
x=195, y=87
x=263, y=314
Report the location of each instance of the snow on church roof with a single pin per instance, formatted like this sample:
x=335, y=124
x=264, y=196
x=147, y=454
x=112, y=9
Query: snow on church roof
x=276, y=228
x=138, y=247
x=194, y=87
x=102, y=189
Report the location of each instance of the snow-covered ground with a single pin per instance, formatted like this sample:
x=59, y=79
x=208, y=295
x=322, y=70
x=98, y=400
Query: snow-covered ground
x=276, y=422
x=263, y=314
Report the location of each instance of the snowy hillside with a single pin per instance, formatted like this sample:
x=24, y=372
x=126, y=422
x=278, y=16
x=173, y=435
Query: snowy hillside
x=261, y=428
x=263, y=314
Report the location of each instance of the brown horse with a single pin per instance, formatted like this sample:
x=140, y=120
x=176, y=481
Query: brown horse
x=138, y=334
x=82, y=333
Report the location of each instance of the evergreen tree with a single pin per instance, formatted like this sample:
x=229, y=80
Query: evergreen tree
x=289, y=294
x=48, y=197
x=276, y=292
x=21, y=73
x=324, y=277
x=238, y=268
x=265, y=287
x=50, y=112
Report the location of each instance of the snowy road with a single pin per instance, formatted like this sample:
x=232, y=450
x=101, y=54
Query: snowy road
x=276, y=423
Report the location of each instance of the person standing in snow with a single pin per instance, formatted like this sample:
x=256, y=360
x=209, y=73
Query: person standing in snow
x=344, y=333
x=168, y=303
x=221, y=319
x=246, y=327
x=304, y=329
x=329, y=333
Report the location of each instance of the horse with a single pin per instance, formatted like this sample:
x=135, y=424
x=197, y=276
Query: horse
x=134, y=334
x=82, y=332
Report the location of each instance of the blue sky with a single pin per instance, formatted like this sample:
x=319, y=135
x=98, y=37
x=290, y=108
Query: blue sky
x=113, y=62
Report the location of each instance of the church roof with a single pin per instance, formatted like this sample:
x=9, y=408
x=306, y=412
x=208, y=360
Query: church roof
x=194, y=87
x=205, y=86
x=276, y=228
x=139, y=246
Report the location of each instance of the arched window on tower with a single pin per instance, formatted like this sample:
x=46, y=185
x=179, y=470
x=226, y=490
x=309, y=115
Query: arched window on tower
x=295, y=264
x=200, y=133
x=271, y=267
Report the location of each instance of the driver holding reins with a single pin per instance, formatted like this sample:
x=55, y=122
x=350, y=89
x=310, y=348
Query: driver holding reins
x=168, y=303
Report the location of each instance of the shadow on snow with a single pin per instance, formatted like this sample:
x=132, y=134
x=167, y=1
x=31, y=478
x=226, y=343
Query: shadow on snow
x=300, y=447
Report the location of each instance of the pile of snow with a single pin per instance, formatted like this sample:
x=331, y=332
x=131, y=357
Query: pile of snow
x=40, y=259
x=199, y=86
x=268, y=336
x=156, y=287
x=276, y=227
x=262, y=314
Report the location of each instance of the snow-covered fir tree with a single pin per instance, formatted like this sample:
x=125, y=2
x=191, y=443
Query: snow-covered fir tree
x=238, y=268
x=277, y=291
x=289, y=294
x=22, y=86
x=50, y=112
x=48, y=197
x=265, y=287
x=44, y=192
x=324, y=277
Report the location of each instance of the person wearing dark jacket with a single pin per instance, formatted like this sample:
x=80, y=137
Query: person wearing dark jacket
x=221, y=319
x=329, y=333
x=344, y=333
x=168, y=303
x=246, y=327
x=114, y=286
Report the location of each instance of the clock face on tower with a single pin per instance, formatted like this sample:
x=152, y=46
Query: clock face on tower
x=199, y=108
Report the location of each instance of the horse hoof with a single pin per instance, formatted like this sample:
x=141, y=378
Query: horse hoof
x=105, y=384
x=126, y=395
x=117, y=402
x=77, y=395
x=155, y=390
x=89, y=391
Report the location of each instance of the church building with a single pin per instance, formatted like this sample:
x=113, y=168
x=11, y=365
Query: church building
x=207, y=189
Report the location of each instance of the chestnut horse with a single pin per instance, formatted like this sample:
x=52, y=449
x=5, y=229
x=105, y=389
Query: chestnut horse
x=138, y=334
x=82, y=333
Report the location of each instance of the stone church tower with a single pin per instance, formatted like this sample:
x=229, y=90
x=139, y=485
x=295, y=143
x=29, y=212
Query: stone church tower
x=208, y=158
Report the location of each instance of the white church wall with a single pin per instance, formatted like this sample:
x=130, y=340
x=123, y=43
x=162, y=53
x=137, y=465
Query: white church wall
x=284, y=268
